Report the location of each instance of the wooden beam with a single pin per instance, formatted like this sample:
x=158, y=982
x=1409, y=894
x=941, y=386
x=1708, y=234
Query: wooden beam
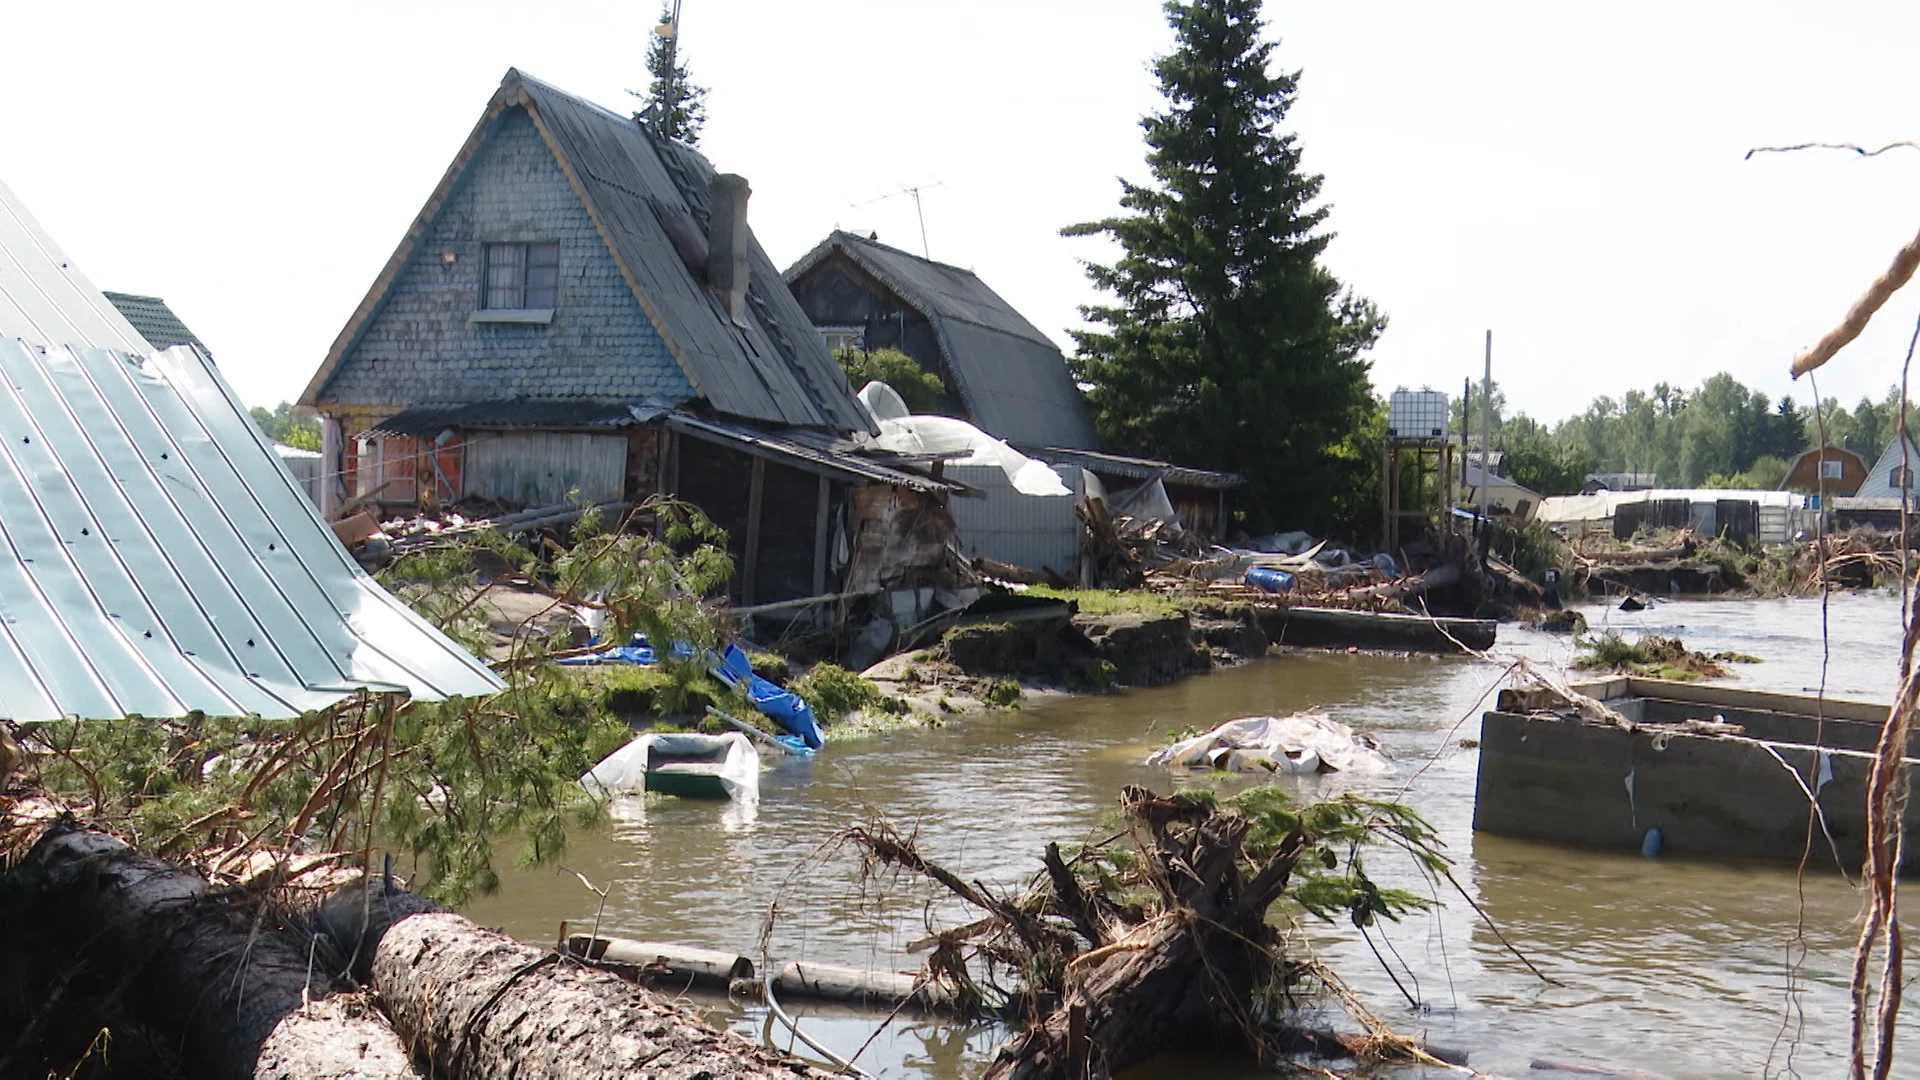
x=821, y=548
x=755, y=491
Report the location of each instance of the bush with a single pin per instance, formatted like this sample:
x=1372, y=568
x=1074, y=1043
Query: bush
x=833, y=691
x=1004, y=693
x=921, y=390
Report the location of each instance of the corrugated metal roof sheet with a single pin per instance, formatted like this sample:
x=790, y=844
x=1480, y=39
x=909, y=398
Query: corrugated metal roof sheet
x=156, y=558
x=806, y=448
x=1013, y=380
x=155, y=321
x=1135, y=468
x=43, y=297
x=427, y=421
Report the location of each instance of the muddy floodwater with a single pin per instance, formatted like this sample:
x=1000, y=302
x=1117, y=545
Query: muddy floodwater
x=1669, y=966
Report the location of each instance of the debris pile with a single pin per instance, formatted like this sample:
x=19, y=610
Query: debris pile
x=1302, y=744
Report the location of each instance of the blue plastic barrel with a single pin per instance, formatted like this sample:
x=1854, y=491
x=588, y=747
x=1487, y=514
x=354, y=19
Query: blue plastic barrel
x=1273, y=581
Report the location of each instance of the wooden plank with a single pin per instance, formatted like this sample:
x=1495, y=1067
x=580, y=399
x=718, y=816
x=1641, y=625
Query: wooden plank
x=751, y=557
x=821, y=548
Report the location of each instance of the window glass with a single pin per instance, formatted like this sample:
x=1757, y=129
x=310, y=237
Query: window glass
x=522, y=276
x=1830, y=470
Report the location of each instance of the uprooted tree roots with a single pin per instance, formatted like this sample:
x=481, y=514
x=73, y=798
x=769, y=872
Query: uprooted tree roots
x=1157, y=938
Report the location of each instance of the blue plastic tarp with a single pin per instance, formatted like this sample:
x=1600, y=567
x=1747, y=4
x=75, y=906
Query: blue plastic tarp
x=730, y=666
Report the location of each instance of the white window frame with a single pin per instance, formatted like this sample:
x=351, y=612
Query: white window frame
x=1833, y=469
x=849, y=338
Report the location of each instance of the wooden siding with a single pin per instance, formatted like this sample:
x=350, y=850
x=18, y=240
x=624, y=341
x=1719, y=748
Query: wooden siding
x=1805, y=476
x=540, y=468
x=840, y=293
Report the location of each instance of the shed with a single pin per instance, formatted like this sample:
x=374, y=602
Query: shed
x=1833, y=471
x=1005, y=376
x=1891, y=476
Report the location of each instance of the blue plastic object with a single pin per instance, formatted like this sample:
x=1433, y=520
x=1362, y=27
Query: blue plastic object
x=1650, y=844
x=732, y=667
x=1273, y=581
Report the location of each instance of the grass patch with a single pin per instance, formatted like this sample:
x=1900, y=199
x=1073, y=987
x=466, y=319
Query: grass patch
x=1653, y=656
x=1113, y=602
x=1003, y=694
x=834, y=692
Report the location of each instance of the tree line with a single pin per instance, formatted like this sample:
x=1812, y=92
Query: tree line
x=1721, y=433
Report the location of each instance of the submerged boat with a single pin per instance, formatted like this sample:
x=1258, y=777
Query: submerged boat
x=1683, y=768
x=691, y=766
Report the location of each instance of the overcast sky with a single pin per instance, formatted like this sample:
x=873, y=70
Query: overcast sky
x=1569, y=175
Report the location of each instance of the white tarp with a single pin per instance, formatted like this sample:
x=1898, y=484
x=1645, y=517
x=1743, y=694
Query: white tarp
x=1563, y=509
x=1297, y=744
x=904, y=433
x=624, y=772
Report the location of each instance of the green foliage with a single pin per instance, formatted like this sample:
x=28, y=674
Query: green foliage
x=676, y=107
x=834, y=692
x=1653, y=656
x=1227, y=344
x=1765, y=474
x=280, y=425
x=1111, y=601
x=923, y=391
x=1004, y=693
x=1541, y=462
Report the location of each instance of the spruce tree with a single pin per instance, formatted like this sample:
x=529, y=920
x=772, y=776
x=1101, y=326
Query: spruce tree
x=1228, y=345
x=675, y=106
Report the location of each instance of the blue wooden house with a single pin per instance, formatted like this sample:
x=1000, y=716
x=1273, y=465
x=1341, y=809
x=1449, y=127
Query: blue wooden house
x=580, y=311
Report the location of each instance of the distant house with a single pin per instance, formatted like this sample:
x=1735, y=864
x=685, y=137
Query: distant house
x=1833, y=470
x=1891, y=477
x=1620, y=481
x=580, y=311
x=155, y=321
x=1002, y=374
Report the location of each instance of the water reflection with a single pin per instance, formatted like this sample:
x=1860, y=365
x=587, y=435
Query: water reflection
x=1673, y=967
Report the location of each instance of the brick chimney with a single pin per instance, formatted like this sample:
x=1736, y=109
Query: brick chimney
x=727, y=243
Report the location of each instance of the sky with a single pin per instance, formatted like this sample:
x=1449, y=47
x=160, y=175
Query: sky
x=1572, y=177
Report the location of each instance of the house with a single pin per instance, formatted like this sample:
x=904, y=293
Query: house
x=1620, y=481
x=580, y=312
x=161, y=561
x=1002, y=374
x=155, y=321
x=1891, y=477
x=1833, y=471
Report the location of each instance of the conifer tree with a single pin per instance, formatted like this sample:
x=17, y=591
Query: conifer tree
x=675, y=106
x=1228, y=345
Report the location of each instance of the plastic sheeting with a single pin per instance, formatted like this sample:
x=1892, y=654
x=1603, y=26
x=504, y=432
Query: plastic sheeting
x=732, y=667
x=733, y=761
x=1299, y=744
x=904, y=433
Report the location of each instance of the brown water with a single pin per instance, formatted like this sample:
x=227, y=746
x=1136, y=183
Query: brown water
x=1675, y=967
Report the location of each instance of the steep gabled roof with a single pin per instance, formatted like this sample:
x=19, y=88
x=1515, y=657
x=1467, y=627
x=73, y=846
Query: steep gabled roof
x=155, y=321
x=1877, y=484
x=1013, y=380
x=46, y=299
x=773, y=368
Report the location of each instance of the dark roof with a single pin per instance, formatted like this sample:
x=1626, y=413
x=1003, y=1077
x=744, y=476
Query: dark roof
x=771, y=368
x=428, y=421
x=1135, y=468
x=811, y=450
x=1819, y=452
x=1012, y=379
x=155, y=320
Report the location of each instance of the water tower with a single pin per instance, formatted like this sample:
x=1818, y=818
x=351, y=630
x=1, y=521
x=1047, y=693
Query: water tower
x=1416, y=463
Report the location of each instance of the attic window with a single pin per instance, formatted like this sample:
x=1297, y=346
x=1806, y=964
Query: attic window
x=844, y=338
x=1831, y=470
x=521, y=277
x=1899, y=477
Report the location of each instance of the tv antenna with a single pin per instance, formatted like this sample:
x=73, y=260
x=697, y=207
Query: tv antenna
x=913, y=190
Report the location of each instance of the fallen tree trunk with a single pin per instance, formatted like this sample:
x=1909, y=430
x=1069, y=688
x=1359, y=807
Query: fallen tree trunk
x=1419, y=584
x=108, y=939
x=478, y=1005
